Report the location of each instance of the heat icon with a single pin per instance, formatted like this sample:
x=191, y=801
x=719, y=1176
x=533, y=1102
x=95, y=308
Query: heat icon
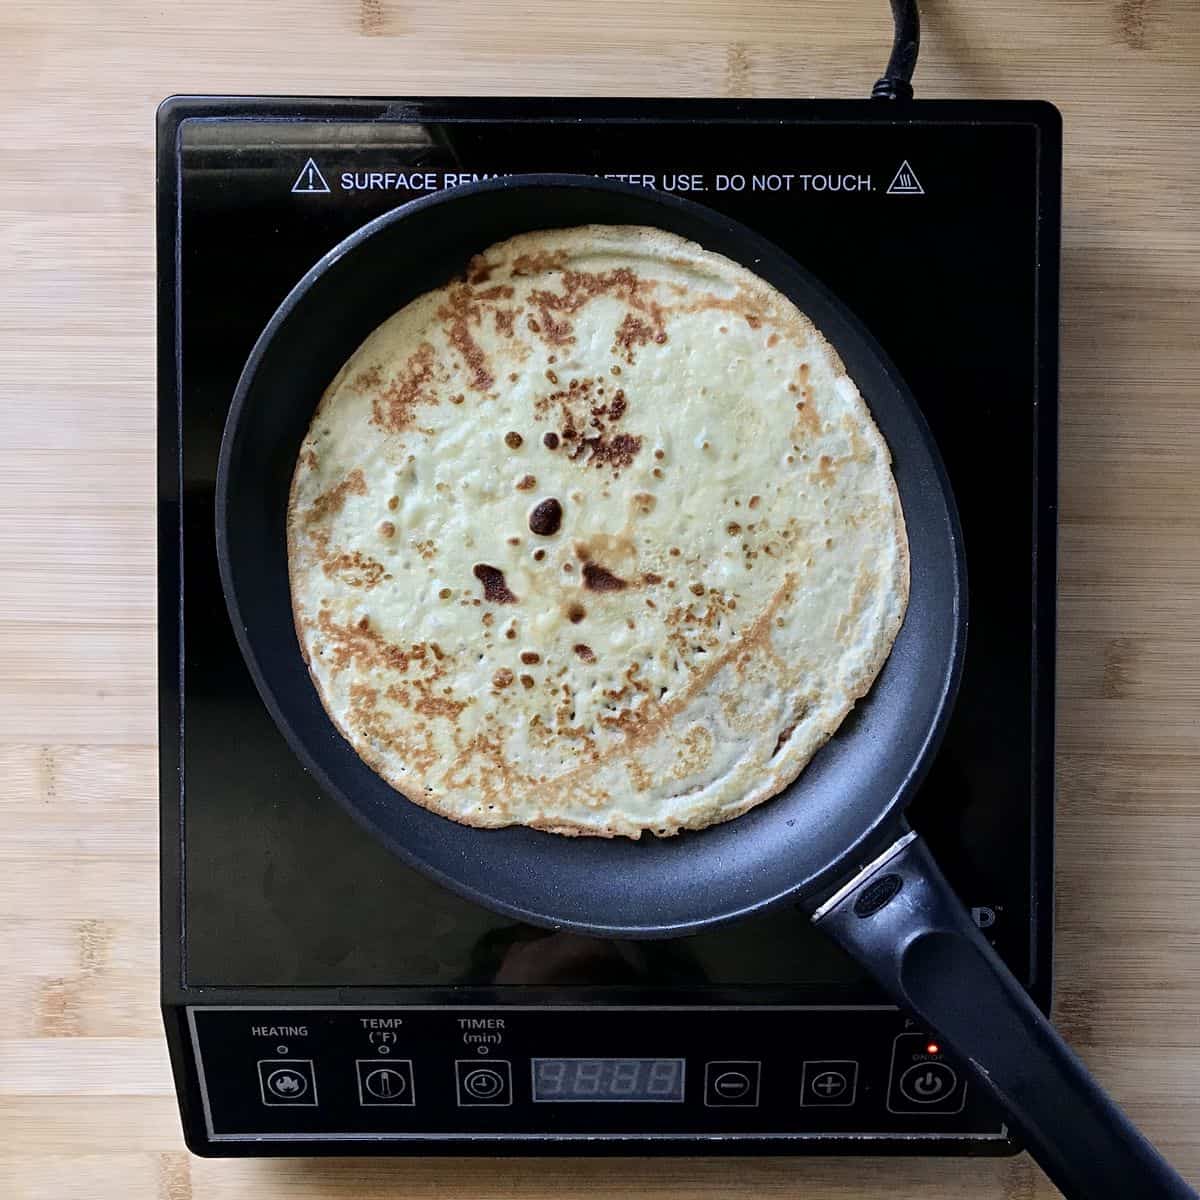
x=905, y=182
x=286, y=1084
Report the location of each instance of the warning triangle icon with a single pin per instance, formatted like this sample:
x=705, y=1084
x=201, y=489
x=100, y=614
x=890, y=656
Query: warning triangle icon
x=310, y=179
x=905, y=182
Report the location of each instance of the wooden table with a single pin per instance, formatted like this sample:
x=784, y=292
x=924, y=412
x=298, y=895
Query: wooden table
x=86, y=1108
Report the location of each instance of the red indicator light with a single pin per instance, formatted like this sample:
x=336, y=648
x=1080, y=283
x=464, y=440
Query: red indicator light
x=932, y=1048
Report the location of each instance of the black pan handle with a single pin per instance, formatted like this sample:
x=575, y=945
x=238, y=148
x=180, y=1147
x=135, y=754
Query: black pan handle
x=900, y=919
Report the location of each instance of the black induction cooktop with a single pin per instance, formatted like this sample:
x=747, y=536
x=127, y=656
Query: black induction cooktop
x=320, y=996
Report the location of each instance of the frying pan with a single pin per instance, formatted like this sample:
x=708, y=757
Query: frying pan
x=835, y=841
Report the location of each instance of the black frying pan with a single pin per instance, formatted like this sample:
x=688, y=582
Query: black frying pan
x=834, y=841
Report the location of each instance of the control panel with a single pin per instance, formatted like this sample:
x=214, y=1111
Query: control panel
x=413, y=1074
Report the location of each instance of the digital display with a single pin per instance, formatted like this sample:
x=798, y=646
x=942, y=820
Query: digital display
x=608, y=1079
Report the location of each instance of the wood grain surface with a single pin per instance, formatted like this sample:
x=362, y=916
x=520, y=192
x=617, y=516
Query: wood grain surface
x=86, y=1108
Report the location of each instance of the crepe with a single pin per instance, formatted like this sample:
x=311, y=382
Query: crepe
x=599, y=539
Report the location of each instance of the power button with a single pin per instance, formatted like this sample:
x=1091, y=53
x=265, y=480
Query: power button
x=922, y=1081
x=927, y=1083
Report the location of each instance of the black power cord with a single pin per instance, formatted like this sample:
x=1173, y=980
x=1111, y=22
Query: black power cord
x=896, y=81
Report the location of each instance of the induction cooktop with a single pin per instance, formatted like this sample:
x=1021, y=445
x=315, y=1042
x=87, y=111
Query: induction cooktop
x=322, y=997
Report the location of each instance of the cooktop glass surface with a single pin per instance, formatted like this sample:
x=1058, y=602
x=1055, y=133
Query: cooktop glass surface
x=928, y=231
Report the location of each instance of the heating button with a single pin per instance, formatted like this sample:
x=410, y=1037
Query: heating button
x=287, y=1082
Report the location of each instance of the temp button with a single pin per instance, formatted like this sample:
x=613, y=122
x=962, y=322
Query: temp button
x=385, y=1082
x=731, y=1083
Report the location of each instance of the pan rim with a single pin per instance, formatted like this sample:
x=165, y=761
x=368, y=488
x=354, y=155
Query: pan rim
x=890, y=815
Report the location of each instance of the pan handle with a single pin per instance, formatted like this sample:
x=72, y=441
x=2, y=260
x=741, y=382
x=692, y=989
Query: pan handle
x=900, y=919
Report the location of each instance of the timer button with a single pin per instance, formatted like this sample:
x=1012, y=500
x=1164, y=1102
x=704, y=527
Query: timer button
x=482, y=1084
x=731, y=1084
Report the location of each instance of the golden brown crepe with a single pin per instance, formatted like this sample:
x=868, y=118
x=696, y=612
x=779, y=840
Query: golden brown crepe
x=599, y=539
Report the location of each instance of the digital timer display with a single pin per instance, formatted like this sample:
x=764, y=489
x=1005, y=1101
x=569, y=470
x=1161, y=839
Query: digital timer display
x=608, y=1079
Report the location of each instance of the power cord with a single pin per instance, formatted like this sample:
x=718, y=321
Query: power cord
x=895, y=83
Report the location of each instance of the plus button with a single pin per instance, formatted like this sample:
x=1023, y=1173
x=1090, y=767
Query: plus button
x=829, y=1082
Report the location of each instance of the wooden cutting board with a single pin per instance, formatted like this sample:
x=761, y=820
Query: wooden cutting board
x=85, y=1102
